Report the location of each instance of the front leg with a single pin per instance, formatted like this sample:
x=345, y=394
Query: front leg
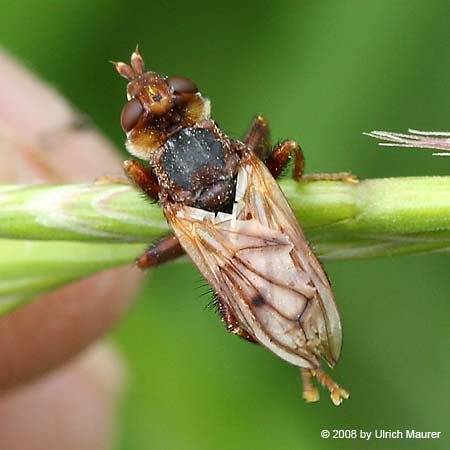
x=339, y=176
x=279, y=159
x=258, y=139
x=143, y=177
x=167, y=248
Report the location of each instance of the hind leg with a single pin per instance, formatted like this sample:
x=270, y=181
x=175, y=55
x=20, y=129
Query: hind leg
x=231, y=322
x=310, y=393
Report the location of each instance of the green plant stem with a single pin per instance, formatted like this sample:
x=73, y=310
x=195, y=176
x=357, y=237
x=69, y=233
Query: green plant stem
x=50, y=235
x=343, y=220
x=30, y=268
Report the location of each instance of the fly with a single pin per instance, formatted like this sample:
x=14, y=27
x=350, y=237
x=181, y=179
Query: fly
x=229, y=215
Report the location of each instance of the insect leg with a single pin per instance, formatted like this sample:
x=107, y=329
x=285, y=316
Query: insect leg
x=143, y=177
x=280, y=156
x=106, y=179
x=337, y=394
x=310, y=393
x=257, y=139
x=231, y=322
x=166, y=249
x=340, y=176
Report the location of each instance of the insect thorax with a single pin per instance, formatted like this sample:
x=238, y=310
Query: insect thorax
x=196, y=168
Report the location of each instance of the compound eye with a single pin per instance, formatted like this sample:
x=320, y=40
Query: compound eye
x=130, y=115
x=180, y=85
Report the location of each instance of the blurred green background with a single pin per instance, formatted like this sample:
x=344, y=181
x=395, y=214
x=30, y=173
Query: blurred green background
x=322, y=72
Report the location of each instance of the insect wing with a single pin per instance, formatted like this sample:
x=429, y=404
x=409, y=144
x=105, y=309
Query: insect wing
x=259, y=262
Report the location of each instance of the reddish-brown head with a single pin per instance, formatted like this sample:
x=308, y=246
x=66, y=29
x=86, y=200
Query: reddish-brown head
x=157, y=106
